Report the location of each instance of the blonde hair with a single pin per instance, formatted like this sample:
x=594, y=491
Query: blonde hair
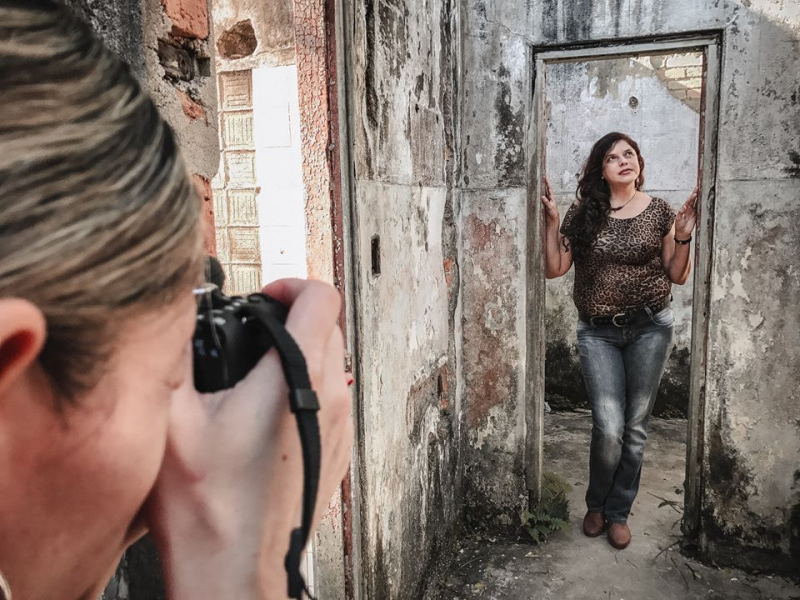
x=98, y=217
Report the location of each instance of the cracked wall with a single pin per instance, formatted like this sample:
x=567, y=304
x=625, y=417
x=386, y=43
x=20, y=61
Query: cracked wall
x=403, y=61
x=752, y=493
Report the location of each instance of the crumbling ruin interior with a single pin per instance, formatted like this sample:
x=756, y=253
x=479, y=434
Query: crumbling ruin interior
x=395, y=149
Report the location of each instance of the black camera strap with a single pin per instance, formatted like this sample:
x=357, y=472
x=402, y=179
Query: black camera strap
x=304, y=405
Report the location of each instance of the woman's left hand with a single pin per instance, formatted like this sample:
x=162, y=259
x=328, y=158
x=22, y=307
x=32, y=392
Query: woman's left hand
x=687, y=217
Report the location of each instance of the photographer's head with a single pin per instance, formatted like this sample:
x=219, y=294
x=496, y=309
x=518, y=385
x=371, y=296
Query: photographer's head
x=100, y=244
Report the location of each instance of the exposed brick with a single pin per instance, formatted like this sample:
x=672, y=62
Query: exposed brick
x=685, y=60
x=313, y=77
x=675, y=73
x=448, y=272
x=189, y=17
x=676, y=85
x=444, y=388
x=191, y=109
x=694, y=72
x=204, y=190
x=693, y=94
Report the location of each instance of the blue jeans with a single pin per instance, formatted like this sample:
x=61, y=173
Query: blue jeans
x=622, y=367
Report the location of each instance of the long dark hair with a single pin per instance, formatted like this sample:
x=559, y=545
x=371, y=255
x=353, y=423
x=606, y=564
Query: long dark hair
x=594, y=196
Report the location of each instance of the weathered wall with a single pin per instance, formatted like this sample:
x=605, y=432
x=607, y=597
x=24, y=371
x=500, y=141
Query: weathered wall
x=585, y=101
x=119, y=24
x=166, y=45
x=258, y=191
x=751, y=502
x=493, y=227
x=179, y=74
x=402, y=68
x=253, y=33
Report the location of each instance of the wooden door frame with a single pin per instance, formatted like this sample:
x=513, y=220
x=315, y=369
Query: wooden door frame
x=710, y=44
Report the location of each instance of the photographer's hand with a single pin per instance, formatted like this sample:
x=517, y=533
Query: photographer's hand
x=230, y=488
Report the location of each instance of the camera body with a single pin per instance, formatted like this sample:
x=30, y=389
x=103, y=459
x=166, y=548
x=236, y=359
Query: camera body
x=228, y=342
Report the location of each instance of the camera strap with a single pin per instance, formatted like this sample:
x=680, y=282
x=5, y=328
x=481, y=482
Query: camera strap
x=304, y=404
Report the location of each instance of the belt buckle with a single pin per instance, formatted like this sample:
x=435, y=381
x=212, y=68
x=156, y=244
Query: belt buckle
x=614, y=319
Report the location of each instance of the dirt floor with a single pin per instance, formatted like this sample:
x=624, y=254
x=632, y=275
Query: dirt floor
x=571, y=566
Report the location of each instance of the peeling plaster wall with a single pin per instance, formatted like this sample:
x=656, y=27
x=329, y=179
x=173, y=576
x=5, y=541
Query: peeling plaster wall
x=493, y=362
x=751, y=499
x=184, y=89
x=585, y=101
x=119, y=24
x=403, y=63
x=133, y=29
x=272, y=23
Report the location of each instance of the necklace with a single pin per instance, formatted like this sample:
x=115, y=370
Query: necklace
x=626, y=204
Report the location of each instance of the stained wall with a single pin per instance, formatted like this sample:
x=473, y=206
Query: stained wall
x=751, y=494
x=402, y=64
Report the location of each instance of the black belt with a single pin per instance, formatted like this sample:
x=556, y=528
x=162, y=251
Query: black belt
x=624, y=319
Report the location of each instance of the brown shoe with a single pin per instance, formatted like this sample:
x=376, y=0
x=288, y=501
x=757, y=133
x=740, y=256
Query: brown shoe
x=594, y=523
x=619, y=535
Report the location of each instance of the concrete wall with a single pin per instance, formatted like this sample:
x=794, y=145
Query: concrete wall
x=585, y=101
x=751, y=500
x=403, y=65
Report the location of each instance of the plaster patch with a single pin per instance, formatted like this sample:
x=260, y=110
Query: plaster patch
x=497, y=414
x=746, y=258
x=755, y=319
x=738, y=288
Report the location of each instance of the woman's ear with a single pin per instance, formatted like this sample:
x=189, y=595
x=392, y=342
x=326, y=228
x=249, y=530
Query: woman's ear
x=22, y=335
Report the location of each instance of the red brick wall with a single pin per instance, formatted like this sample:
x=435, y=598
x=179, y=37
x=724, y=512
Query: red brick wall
x=313, y=88
x=204, y=189
x=189, y=17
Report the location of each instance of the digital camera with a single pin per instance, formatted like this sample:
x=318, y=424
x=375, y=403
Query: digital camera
x=227, y=341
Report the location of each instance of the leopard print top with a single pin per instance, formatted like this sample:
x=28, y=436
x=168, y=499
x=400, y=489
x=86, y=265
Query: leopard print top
x=624, y=271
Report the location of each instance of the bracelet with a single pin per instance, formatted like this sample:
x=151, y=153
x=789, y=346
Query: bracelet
x=683, y=242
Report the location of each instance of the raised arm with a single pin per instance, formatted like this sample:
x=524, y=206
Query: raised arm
x=674, y=254
x=558, y=259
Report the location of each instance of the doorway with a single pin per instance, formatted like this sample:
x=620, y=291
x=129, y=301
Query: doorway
x=635, y=85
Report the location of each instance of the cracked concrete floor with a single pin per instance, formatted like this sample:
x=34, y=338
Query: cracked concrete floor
x=571, y=566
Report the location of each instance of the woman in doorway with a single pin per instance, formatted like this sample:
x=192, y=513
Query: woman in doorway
x=628, y=249
x=102, y=433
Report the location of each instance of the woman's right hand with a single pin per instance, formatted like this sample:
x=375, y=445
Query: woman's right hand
x=230, y=488
x=550, y=208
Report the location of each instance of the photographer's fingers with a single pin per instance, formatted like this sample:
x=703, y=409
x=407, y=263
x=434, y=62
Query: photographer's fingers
x=313, y=311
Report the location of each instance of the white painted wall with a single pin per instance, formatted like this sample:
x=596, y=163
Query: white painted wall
x=281, y=217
